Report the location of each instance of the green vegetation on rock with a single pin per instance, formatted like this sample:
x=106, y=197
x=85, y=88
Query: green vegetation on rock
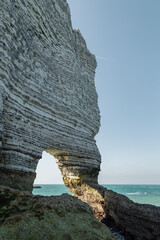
x=53, y=226
x=62, y=217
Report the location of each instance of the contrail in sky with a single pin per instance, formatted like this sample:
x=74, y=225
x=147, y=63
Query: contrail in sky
x=105, y=59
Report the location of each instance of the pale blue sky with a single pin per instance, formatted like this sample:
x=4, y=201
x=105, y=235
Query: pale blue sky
x=125, y=37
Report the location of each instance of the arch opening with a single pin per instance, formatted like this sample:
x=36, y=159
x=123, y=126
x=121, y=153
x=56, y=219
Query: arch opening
x=49, y=180
x=75, y=171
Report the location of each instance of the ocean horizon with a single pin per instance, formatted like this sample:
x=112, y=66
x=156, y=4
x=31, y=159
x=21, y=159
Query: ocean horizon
x=140, y=193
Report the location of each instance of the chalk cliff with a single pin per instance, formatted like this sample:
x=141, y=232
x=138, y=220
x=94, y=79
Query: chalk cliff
x=48, y=99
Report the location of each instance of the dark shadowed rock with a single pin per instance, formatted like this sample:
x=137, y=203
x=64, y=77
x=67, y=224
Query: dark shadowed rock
x=134, y=221
x=37, y=187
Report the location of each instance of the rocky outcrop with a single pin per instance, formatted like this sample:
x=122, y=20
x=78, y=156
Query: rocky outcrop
x=134, y=221
x=48, y=99
x=24, y=216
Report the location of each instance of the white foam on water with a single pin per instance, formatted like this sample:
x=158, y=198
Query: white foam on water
x=137, y=193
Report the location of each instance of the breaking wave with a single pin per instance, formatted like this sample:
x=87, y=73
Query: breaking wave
x=137, y=193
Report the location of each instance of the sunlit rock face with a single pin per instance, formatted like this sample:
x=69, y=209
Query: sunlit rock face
x=48, y=99
x=132, y=220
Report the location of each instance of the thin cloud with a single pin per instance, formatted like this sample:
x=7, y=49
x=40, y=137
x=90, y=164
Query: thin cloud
x=104, y=59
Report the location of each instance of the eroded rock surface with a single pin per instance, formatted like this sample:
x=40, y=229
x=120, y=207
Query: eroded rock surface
x=24, y=216
x=134, y=221
x=48, y=102
x=48, y=99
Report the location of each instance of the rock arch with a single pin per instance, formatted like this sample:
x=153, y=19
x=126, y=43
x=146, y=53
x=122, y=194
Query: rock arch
x=47, y=171
x=48, y=98
x=48, y=101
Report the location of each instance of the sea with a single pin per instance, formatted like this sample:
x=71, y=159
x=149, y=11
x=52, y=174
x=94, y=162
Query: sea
x=147, y=194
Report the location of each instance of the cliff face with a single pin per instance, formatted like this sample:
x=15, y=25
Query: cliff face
x=48, y=102
x=48, y=99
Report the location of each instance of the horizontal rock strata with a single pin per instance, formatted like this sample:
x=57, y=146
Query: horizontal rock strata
x=24, y=216
x=48, y=99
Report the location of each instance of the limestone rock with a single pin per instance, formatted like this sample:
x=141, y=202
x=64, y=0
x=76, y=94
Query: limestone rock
x=24, y=216
x=134, y=221
x=48, y=99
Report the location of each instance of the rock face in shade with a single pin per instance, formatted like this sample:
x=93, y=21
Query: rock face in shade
x=132, y=220
x=48, y=99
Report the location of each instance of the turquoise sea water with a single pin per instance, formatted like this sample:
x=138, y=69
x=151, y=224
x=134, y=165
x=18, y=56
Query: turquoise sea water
x=149, y=194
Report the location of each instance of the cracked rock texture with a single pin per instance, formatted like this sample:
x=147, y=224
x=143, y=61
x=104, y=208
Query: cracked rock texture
x=48, y=99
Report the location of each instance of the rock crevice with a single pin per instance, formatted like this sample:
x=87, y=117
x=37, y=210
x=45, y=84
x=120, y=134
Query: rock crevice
x=134, y=221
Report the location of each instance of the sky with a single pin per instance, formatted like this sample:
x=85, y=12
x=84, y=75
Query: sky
x=124, y=35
